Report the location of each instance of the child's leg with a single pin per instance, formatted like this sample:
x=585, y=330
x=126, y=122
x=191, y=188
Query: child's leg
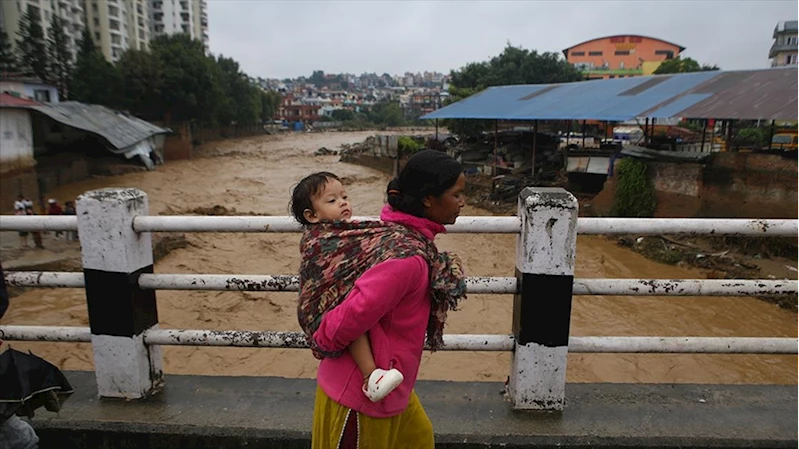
x=361, y=351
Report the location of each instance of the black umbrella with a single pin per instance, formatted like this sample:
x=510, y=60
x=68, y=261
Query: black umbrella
x=28, y=382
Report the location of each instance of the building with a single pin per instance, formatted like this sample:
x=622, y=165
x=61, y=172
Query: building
x=118, y=25
x=180, y=16
x=783, y=51
x=293, y=110
x=621, y=55
x=29, y=88
x=70, y=11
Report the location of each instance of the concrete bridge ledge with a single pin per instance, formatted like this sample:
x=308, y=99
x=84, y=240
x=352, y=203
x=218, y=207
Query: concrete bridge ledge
x=238, y=412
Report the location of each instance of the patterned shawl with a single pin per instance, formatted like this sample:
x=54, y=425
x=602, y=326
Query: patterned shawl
x=335, y=255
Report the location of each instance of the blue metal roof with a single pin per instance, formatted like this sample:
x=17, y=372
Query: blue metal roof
x=721, y=95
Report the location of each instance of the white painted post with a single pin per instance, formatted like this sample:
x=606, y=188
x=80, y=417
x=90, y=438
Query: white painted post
x=545, y=251
x=114, y=255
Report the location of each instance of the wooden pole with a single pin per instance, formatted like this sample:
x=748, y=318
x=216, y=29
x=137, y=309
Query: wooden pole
x=535, y=143
x=583, y=134
x=436, y=131
x=704, y=133
x=496, y=124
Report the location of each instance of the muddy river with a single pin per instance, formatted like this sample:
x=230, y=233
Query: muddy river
x=255, y=175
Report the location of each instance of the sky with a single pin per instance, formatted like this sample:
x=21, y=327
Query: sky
x=276, y=39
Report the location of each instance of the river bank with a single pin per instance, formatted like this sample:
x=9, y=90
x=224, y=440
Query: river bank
x=254, y=175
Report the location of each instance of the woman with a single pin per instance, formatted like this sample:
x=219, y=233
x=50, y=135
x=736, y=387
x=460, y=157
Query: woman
x=401, y=297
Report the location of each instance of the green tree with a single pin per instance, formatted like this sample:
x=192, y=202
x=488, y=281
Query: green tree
x=680, y=65
x=32, y=46
x=142, y=84
x=270, y=104
x=635, y=193
x=60, y=59
x=8, y=60
x=515, y=65
x=191, y=86
x=242, y=101
x=94, y=80
x=343, y=115
x=318, y=78
x=387, y=113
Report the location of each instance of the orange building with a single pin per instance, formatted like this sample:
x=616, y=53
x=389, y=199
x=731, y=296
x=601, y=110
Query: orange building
x=621, y=56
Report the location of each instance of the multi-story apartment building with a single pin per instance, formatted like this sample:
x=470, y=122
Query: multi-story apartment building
x=118, y=25
x=71, y=11
x=783, y=51
x=621, y=55
x=180, y=16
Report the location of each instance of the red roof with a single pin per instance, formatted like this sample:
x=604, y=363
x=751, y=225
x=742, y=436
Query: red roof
x=9, y=101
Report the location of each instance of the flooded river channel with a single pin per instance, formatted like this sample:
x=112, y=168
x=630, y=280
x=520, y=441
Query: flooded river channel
x=255, y=175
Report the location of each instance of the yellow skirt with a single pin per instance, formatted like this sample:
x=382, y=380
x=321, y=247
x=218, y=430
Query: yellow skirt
x=412, y=429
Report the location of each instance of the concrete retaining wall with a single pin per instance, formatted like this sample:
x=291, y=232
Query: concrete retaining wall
x=730, y=185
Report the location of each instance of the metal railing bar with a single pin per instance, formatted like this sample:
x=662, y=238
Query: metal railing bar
x=475, y=285
x=453, y=342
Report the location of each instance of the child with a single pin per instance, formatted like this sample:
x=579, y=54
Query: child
x=318, y=198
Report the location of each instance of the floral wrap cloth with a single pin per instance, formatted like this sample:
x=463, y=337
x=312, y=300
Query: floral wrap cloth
x=335, y=254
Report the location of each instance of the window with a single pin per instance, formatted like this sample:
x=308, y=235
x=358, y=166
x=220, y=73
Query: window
x=668, y=53
x=578, y=53
x=157, y=5
x=790, y=60
x=97, y=35
x=113, y=11
x=594, y=53
x=792, y=40
x=636, y=39
x=621, y=65
x=617, y=39
x=158, y=16
x=116, y=39
x=621, y=52
x=96, y=22
x=42, y=95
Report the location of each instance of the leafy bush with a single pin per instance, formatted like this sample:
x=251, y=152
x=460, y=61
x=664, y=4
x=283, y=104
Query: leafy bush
x=407, y=145
x=635, y=194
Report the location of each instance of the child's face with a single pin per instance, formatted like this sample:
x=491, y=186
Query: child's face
x=330, y=204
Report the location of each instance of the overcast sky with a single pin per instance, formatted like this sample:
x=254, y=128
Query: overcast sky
x=275, y=39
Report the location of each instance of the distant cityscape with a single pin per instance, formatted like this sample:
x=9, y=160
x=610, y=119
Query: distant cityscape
x=116, y=26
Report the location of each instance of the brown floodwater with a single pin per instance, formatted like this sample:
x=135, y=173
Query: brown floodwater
x=256, y=175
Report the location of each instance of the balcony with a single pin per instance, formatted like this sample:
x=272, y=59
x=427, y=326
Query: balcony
x=778, y=48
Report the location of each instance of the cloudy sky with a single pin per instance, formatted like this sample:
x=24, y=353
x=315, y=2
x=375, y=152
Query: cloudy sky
x=275, y=39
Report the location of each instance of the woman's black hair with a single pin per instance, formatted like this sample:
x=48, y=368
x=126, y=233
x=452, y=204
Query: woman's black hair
x=303, y=192
x=427, y=173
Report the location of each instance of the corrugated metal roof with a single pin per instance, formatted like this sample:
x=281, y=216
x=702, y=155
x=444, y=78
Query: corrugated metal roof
x=119, y=129
x=10, y=101
x=769, y=94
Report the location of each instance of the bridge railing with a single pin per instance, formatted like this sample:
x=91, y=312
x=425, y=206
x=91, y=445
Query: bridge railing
x=114, y=227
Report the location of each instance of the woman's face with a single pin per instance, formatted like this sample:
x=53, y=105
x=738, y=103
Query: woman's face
x=445, y=208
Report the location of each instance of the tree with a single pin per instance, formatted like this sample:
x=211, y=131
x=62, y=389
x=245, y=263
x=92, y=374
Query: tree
x=515, y=65
x=60, y=58
x=242, y=100
x=142, y=84
x=318, y=78
x=94, y=80
x=343, y=115
x=270, y=103
x=8, y=60
x=191, y=84
x=679, y=65
x=387, y=113
x=32, y=47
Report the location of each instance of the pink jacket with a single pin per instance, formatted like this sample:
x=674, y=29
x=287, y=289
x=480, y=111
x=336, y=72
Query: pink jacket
x=390, y=301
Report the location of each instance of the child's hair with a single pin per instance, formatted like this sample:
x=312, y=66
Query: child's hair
x=303, y=192
x=428, y=172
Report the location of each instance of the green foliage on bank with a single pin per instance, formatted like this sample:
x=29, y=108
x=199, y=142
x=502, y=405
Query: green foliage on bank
x=408, y=145
x=635, y=193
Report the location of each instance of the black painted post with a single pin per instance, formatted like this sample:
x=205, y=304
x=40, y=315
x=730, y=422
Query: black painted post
x=114, y=256
x=545, y=251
